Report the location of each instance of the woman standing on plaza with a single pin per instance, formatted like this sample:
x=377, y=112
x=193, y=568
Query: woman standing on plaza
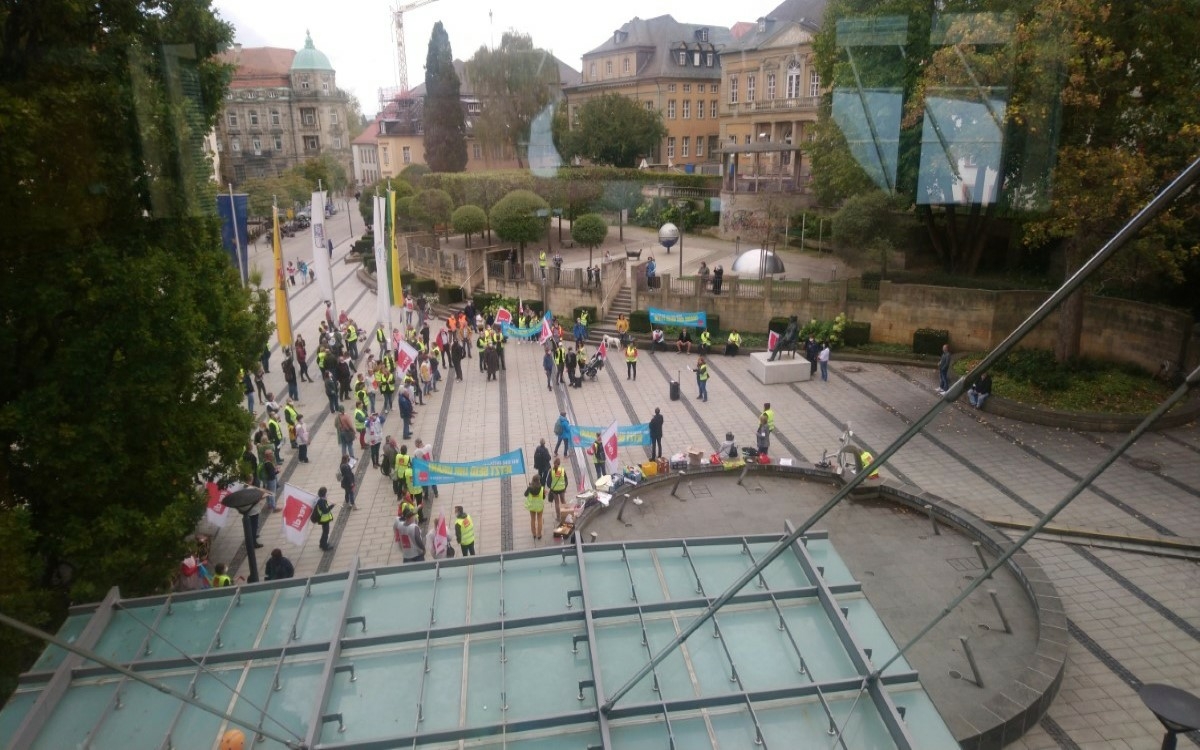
x=535, y=503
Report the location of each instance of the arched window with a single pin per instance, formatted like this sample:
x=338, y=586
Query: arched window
x=793, y=79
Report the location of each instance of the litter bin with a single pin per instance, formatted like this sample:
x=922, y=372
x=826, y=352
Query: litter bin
x=675, y=389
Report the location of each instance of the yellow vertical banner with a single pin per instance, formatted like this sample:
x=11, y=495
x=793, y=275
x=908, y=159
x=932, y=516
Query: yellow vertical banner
x=283, y=316
x=397, y=289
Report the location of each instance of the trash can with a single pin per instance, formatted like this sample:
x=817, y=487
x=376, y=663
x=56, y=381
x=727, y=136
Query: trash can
x=675, y=389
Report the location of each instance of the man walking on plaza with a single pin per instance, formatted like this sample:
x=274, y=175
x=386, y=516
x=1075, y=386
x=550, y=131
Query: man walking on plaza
x=562, y=428
x=944, y=370
x=541, y=462
x=323, y=515
x=464, y=531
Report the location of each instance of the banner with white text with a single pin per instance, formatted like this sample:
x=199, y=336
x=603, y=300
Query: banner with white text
x=511, y=464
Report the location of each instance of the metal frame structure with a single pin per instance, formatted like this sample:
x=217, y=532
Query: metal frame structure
x=338, y=638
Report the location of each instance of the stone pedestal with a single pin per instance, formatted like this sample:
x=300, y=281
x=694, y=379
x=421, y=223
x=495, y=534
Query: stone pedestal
x=785, y=368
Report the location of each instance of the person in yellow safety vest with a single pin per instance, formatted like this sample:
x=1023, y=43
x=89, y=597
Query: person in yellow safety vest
x=865, y=458
x=769, y=413
x=352, y=340
x=387, y=386
x=389, y=362
x=323, y=515
x=631, y=353
x=402, y=460
x=220, y=578
x=415, y=491
x=583, y=317
x=733, y=343
x=360, y=423
x=560, y=362
x=381, y=337
x=535, y=503
x=481, y=344
x=498, y=340
x=322, y=355
x=558, y=487
x=274, y=433
x=705, y=342
x=291, y=416
x=360, y=390
x=464, y=531
x=702, y=378
x=542, y=262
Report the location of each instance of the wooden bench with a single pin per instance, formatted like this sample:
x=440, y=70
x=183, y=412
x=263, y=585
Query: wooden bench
x=633, y=254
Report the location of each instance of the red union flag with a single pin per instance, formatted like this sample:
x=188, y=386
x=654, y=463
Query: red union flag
x=547, y=332
x=217, y=513
x=772, y=340
x=603, y=350
x=608, y=439
x=405, y=356
x=297, y=513
x=503, y=316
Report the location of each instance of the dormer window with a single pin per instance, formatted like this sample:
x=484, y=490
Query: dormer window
x=619, y=36
x=762, y=25
x=696, y=59
x=701, y=35
x=683, y=57
x=708, y=59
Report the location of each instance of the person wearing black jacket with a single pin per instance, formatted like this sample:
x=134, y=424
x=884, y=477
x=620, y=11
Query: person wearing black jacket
x=278, y=566
x=656, y=427
x=541, y=462
x=811, y=350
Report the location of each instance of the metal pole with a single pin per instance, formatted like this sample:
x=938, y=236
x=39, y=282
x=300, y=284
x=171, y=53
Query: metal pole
x=1143, y=217
x=244, y=269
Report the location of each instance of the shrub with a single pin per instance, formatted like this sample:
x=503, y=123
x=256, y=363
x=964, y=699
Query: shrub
x=468, y=220
x=930, y=341
x=589, y=230
x=830, y=331
x=368, y=262
x=449, y=295
x=639, y=321
x=424, y=286
x=857, y=333
x=714, y=324
x=483, y=299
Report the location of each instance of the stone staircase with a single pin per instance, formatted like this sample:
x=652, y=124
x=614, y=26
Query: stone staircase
x=622, y=304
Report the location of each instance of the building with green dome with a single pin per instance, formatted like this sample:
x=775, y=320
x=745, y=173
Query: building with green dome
x=283, y=108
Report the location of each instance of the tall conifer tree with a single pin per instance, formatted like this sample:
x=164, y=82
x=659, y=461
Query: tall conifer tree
x=445, y=130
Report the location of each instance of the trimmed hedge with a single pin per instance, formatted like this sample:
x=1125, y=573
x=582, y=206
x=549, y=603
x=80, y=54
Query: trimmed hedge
x=714, y=323
x=482, y=300
x=449, y=295
x=424, y=286
x=856, y=333
x=639, y=321
x=930, y=340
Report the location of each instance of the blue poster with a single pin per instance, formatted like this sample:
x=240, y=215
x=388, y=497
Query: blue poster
x=520, y=333
x=627, y=436
x=511, y=464
x=674, y=318
x=233, y=228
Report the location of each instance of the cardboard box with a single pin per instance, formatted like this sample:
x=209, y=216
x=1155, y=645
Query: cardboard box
x=695, y=457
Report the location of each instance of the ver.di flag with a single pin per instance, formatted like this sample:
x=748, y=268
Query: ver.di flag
x=547, y=331
x=772, y=341
x=217, y=512
x=503, y=316
x=440, y=537
x=297, y=513
x=608, y=439
x=405, y=356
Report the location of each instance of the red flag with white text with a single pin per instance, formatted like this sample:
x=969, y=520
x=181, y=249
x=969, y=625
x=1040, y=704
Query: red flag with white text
x=503, y=316
x=608, y=439
x=772, y=340
x=547, y=332
x=405, y=356
x=603, y=350
x=217, y=514
x=297, y=513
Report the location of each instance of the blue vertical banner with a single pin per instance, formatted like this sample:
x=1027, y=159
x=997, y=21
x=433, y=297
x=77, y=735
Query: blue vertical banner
x=233, y=211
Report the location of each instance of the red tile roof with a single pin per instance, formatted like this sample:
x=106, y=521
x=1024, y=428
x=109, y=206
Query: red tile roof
x=259, y=66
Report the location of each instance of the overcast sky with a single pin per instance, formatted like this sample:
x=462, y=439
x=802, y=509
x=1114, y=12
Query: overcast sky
x=357, y=34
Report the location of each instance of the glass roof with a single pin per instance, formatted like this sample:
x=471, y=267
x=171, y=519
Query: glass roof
x=519, y=650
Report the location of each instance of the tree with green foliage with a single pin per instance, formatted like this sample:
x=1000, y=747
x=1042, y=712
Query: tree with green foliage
x=515, y=218
x=589, y=230
x=432, y=207
x=366, y=197
x=324, y=171
x=515, y=82
x=113, y=273
x=862, y=219
x=445, y=128
x=613, y=129
x=468, y=220
x=413, y=174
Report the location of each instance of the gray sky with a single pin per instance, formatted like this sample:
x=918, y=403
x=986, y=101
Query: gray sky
x=357, y=34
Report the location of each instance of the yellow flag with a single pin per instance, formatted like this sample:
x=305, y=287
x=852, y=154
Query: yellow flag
x=397, y=289
x=283, y=316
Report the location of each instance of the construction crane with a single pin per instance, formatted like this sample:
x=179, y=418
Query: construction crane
x=398, y=28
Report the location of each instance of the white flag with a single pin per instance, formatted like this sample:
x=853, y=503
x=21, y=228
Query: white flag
x=297, y=513
x=405, y=356
x=383, y=294
x=608, y=439
x=321, y=251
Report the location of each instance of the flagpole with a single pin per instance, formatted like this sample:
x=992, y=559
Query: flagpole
x=244, y=265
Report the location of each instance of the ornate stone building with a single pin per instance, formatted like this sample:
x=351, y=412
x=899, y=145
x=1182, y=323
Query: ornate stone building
x=283, y=108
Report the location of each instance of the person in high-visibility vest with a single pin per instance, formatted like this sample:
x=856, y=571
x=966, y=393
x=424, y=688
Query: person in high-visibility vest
x=701, y=371
x=865, y=458
x=382, y=338
x=542, y=262
x=360, y=423
x=558, y=487
x=352, y=339
x=535, y=503
x=464, y=531
x=705, y=342
x=769, y=413
x=631, y=354
x=220, y=577
x=733, y=343
x=323, y=515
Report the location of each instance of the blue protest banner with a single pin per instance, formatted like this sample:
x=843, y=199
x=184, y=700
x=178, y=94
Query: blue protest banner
x=627, y=436
x=675, y=318
x=438, y=472
x=521, y=333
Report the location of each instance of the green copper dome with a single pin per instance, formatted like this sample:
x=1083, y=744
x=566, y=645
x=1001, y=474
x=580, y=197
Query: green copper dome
x=311, y=58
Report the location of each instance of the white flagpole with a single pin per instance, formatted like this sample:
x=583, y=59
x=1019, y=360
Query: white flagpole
x=383, y=303
x=321, y=251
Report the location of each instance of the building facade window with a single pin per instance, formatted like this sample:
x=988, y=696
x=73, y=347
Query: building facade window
x=256, y=144
x=747, y=139
x=625, y=66
x=670, y=88
x=696, y=56
x=387, y=158
x=712, y=112
x=476, y=151
x=231, y=118
x=308, y=116
x=278, y=143
x=814, y=83
x=671, y=147
x=407, y=155
x=325, y=86
x=708, y=59
x=337, y=142
x=687, y=109
x=733, y=89
x=687, y=88
x=607, y=68
x=683, y=56
x=333, y=117
x=235, y=144
x=699, y=146
x=687, y=146
x=592, y=72
x=254, y=118
x=750, y=86
x=312, y=143
x=649, y=105
x=275, y=117
x=770, y=85
x=714, y=88
x=793, y=79
x=670, y=109
x=699, y=109
x=304, y=82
